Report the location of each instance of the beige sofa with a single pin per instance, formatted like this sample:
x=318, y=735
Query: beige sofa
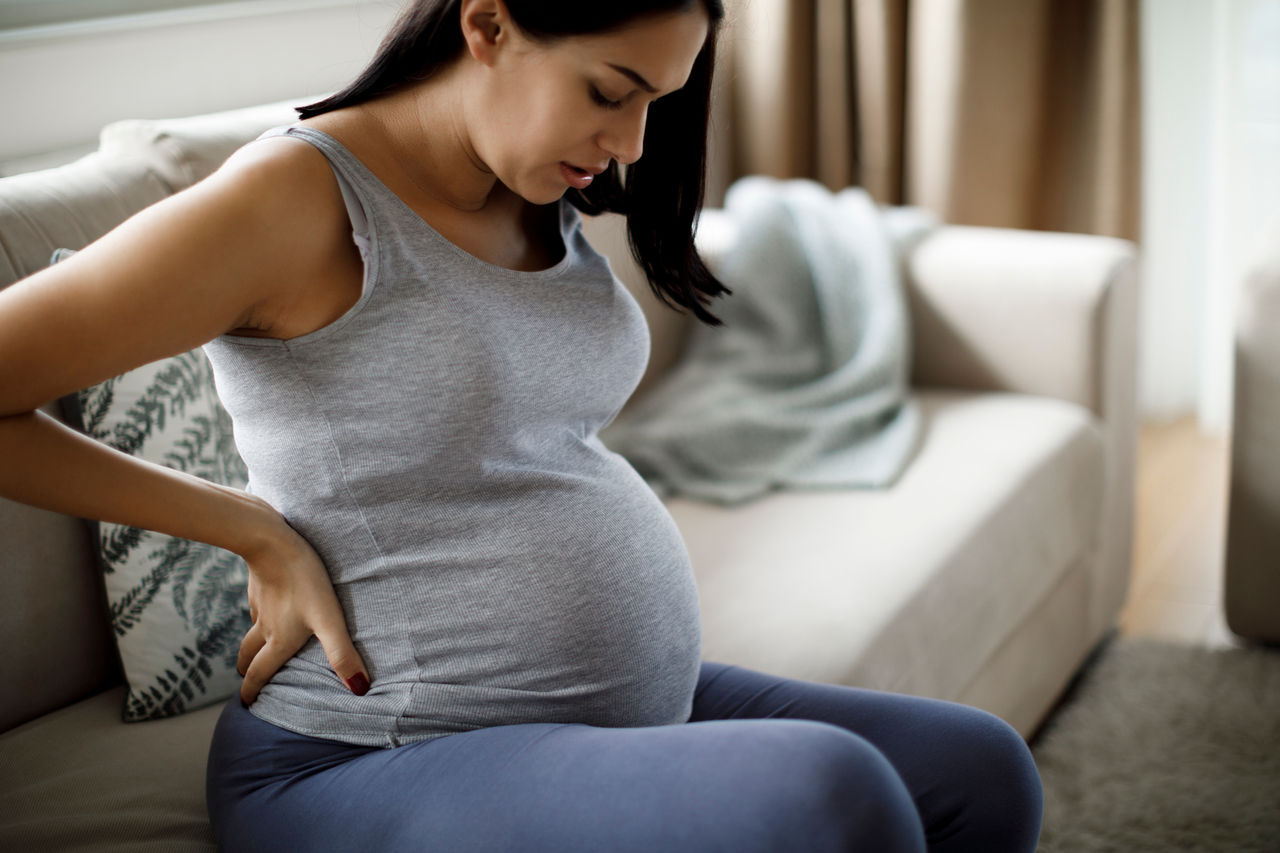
x=985, y=575
x=1252, y=583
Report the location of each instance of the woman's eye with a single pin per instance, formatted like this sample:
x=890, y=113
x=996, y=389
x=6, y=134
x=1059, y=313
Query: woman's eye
x=603, y=101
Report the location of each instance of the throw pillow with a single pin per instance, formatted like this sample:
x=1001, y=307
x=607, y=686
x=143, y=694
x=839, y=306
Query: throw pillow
x=178, y=608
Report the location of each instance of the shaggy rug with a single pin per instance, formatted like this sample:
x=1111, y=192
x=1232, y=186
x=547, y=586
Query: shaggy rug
x=1165, y=747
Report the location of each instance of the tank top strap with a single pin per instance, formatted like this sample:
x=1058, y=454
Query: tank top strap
x=349, y=171
x=379, y=216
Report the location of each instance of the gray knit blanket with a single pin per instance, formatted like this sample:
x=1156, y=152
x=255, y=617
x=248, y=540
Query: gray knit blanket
x=805, y=386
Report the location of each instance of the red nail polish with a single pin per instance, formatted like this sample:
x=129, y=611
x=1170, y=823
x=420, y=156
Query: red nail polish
x=359, y=684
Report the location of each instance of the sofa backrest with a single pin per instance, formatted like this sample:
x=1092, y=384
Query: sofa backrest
x=53, y=623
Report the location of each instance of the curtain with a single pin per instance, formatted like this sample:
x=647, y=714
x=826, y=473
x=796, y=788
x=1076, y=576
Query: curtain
x=1007, y=113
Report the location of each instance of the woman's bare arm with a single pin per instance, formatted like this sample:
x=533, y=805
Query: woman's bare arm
x=174, y=276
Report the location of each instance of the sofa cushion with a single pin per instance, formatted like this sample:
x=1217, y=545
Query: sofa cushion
x=178, y=608
x=79, y=779
x=182, y=151
x=69, y=206
x=910, y=589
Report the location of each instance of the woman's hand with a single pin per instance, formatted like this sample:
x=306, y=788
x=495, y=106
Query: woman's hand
x=290, y=599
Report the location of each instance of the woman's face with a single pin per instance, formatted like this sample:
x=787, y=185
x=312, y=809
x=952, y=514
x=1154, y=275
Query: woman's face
x=558, y=112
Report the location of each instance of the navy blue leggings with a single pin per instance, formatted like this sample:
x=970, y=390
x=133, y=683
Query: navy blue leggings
x=765, y=764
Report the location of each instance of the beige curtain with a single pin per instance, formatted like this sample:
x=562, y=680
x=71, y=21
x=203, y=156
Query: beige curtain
x=1009, y=113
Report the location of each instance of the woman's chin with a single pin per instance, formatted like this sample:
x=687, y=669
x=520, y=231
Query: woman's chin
x=544, y=196
x=535, y=195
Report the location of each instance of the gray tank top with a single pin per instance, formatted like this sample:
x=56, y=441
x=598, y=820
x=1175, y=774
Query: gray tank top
x=437, y=446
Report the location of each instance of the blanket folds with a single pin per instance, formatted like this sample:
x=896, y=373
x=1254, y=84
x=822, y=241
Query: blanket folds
x=806, y=384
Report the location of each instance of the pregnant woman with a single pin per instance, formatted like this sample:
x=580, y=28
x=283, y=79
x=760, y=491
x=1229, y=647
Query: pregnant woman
x=475, y=627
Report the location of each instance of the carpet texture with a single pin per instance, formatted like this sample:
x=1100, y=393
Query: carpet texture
x=1165, y=747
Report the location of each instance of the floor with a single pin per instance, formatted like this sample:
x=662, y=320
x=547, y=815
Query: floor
x=1176, y=589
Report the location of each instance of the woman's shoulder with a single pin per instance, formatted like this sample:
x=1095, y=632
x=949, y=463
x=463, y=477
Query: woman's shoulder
x=276, y=167
x=287, y=183
x=291, y=194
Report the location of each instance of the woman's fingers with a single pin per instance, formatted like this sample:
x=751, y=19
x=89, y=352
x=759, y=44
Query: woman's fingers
x=343, y=657
x=291, y=599
x=258, y=660
x=264, y=665
x=249, y=647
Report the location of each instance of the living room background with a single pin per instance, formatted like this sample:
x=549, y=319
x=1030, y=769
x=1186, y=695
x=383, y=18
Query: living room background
x=1210, y=128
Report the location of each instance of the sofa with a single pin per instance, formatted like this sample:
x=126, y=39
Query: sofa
x=1251, y=586
x=986, y=574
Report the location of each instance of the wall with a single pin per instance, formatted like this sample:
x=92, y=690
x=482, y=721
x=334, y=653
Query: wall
x=60, y=84
x=1211, y=181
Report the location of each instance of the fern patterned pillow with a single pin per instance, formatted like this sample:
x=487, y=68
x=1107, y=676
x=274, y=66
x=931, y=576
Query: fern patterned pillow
x=178, y=608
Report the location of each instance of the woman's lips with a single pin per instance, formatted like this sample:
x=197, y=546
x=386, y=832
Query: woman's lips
x=575, y=177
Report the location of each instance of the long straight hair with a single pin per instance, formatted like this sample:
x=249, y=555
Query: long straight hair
x=660, y=194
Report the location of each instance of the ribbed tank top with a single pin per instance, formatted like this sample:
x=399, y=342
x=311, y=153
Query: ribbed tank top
x=437, y=446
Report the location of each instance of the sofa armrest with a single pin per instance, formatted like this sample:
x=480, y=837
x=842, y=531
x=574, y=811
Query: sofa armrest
x=999, y=309
x=1041, y=313
x=1026, y=311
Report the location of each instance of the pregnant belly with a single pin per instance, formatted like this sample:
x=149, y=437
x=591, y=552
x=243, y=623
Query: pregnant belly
x=577, y=607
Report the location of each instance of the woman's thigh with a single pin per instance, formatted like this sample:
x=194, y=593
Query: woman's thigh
x=970, y=774
x=732, y=785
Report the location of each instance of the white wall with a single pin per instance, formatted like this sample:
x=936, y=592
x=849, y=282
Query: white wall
x=60, y=84
x=1176, y=77
x=1211, y=175
x=1247, y=194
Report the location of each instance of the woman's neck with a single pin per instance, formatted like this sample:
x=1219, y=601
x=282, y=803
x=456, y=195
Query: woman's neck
x=420, y=133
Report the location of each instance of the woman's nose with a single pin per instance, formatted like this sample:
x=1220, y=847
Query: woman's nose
x=624, y=138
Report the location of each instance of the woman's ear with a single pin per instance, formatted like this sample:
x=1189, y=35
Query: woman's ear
x=485, y=28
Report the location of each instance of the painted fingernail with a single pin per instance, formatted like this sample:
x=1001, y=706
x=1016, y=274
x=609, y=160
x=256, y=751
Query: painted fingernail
x=359, y=683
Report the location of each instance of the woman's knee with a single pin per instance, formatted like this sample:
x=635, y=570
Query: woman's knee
x=1008, y=763
x=820, y=787
x=996, y=775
